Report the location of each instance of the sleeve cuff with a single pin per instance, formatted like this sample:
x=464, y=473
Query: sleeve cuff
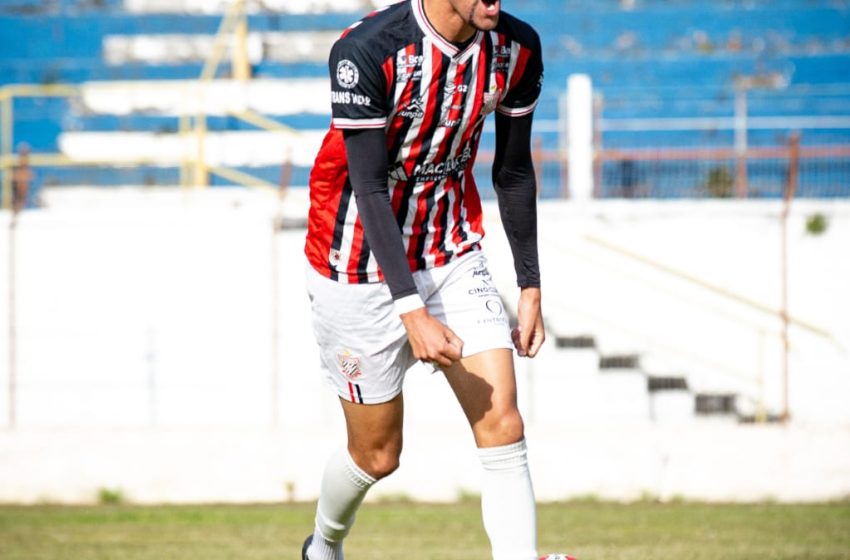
x=407, y=304
x=516, y=112
x=359, y=123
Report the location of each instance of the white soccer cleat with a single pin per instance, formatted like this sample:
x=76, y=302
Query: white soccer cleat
x=557, y=557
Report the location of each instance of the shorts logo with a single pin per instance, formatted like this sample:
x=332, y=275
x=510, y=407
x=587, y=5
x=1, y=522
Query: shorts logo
x=347, y=74
x=494, y=307
x=349, y=365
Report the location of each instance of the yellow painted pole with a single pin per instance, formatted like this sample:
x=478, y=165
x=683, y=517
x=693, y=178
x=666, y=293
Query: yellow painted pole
x=202, y=178
x=6, y=153
x=185, y=131
x=240, y=63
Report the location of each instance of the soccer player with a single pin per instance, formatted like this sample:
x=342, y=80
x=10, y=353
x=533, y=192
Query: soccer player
x=397, y=273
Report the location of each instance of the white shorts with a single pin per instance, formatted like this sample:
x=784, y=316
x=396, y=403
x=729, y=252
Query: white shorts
x=363, y=343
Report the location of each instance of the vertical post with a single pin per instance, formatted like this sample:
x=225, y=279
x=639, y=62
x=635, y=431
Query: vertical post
x=275, y=313
x=240, y=63
x=13, y=322
x=563, y=147
x=741, y=186
x=201, y=178
x=185, y=143
x=761, y=411
x=6, y=132
x=580, y=136
x=150, y=358
x=790, y=191
x=598, y=162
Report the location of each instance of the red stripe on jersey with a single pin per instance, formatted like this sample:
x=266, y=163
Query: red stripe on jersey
x=351, y=392
x=356, y=249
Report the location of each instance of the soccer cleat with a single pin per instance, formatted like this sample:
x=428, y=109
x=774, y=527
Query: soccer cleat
x=557, y=557
x=304, y=548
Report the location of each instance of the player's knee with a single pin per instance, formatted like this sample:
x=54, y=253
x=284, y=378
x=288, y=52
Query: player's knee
x=502, y=429
x=379, y=463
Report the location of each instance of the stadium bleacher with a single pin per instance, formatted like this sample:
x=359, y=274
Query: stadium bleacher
x=647, y=59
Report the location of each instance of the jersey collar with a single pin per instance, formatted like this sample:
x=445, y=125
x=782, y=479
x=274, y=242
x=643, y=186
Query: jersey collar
x=445, y=46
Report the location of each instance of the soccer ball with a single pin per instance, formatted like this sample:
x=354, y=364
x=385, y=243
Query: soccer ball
x=557, y=557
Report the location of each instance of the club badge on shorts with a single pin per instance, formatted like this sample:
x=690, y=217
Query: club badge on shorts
x=349, y=365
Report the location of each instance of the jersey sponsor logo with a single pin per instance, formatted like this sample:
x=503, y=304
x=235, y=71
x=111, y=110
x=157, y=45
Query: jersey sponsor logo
x=349, y=98
x=482, y=273
x=414, y=109
x=405, y=61
x=501, y=58
x=496, y=308
x=414, y=76
x=450, y=123
x=349, y=365
x=347, y=74
x=398, y=173
x=427, y=172
x=483, y=291
x=408, y=67
x=450, y=89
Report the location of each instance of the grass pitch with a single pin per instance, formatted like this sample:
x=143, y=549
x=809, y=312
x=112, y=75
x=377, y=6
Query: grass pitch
x=590, y=530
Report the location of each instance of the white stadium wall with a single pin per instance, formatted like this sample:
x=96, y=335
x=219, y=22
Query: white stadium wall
x=163, y=347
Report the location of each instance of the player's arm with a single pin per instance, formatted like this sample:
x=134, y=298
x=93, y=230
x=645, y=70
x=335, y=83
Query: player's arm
x=516, y=190
x=367, y=169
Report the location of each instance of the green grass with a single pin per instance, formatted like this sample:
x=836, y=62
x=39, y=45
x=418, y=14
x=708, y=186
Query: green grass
x=591, y=530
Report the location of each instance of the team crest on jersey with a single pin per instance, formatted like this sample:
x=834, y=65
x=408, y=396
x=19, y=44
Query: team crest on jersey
x=347, y=74
x=349, y=365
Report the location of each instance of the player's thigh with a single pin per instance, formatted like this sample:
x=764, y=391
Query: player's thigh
x=466, y=299
x=362, y=342
x=485, y=386
x=374, y=426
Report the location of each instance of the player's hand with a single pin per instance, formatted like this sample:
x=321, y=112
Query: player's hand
x=529, y=334
x=431, y=340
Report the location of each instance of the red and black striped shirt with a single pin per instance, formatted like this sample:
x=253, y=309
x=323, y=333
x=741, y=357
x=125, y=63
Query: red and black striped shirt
x=392, y=70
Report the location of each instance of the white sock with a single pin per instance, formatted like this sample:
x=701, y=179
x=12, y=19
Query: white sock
x=344, y=485
x=507, y=502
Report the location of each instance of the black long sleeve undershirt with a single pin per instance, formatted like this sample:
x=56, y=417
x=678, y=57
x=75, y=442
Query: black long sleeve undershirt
x=516, y=191
x=366, y=152
x=513, y=177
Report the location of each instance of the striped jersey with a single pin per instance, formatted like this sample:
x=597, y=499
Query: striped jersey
x=392, y=70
